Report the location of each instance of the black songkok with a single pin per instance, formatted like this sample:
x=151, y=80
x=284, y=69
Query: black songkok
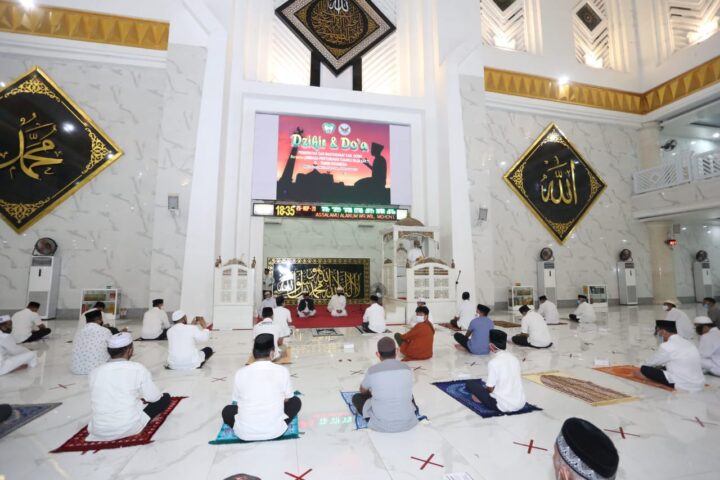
x=587, y=450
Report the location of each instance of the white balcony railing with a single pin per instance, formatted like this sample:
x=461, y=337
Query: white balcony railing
x=698, y=167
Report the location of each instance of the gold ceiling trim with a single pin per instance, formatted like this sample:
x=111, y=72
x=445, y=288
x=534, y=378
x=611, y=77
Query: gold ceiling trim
x=544, y=88
x=83, y=26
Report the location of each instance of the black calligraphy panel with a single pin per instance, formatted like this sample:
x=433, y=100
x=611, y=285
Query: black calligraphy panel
x=49, y=148
x=320, y=277
x=340, y=31
x=556, y=182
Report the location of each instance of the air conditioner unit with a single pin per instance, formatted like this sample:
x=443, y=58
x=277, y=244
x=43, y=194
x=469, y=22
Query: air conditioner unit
x=44, y=284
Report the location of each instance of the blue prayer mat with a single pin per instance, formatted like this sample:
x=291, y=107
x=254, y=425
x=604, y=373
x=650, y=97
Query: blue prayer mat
x=360, y=422
x=457, y=390
x=227, y=435
x=22, y=414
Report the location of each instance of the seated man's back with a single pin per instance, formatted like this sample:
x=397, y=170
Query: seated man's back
x=115, y=391
x=391, y=407
x=89, y=348
x=183, y=353
x=479, y=343
x=260, y=391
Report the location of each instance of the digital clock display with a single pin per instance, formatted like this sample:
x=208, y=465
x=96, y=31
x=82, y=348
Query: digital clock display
x=336, y=212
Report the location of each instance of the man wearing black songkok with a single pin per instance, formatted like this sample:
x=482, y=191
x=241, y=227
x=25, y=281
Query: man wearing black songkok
x=583, y=451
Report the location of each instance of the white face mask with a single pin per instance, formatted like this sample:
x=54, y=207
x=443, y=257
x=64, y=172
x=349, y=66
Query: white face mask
x=419, y=319
x=666, y=308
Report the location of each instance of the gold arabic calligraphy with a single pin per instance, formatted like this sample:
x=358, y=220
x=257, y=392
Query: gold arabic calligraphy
x=558, y=183
x=320, y=282
x=33, y=139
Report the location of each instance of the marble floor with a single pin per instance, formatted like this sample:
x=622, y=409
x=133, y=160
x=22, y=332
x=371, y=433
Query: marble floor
x=669, y=435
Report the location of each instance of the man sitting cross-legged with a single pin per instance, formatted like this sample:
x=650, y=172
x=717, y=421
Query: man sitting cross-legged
x=374, y=317
x=417, y=344
x=12, y=355
x=265, y=402
x=155, y=322
x=676, y=362
x=89, y=348
x=267, y=325
x=385, y=397
x=28, y=326
x=534, y=332
x=477, y=338
x=503, y=390
x=183, y=353
x=117, y=391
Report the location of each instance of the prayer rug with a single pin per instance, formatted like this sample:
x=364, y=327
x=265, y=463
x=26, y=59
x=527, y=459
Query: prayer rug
x=363, y=332
x=631, y=372
x=78, y=442
x=584, y=390
x=457, y=390
x=504, y=324
x=24, y=414
x=227, y=434
x=450, y=326
x=285, y=358
x=326, y=332
x=360, y=422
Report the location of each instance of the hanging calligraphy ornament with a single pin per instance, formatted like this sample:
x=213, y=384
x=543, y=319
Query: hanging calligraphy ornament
x=339, y=5
x=555, y=182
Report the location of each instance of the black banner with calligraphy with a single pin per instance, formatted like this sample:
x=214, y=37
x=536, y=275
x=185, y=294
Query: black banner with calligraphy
x=320, y=277
x=49, y=148
x=339, y=31
x=556, y=182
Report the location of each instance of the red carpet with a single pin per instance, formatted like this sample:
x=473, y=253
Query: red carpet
x=78, y=443
x=323, y=319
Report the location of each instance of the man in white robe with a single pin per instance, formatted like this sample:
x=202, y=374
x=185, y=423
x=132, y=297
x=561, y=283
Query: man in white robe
x=584, y=312
x=282, y=317
x=266, y=325
x=683, y=324
x=183, y=353
x=155, y=322
x=27, y=324
x=709, y=345
x=466, y=313
x=548, y=310
x=268, y=301
x=12, y=355
x=338, y=303
x=415, y=253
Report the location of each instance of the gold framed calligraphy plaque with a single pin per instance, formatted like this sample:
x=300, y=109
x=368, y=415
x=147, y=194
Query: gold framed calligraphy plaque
x=554, y=180
x=49, y=148
x=320, y=277
x=340, y=31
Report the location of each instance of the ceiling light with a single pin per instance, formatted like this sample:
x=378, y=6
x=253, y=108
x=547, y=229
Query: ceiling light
x=591, y=60
x=28, y=4
x=563, y=80
x=704, y=31
x=503, y=41
x=693, y=142
x=716, y=135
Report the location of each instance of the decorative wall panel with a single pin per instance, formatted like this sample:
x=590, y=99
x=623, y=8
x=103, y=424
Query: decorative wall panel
x=591, y=30
x=691, y=21
x=503, y=24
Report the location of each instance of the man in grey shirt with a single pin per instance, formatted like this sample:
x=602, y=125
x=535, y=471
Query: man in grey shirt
x=713, y=310
x=385, y=397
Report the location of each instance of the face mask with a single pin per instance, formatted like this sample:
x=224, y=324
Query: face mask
x=666, y=308
x=706, y=306
x=578, y=302
x=419, y=319
x=659, y=338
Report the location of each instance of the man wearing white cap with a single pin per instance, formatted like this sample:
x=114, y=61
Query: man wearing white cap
x=117, y=391
x=709, y=345
x=89, y=348
x=12, y=355
x=682, y=322
x=337, y=303
x=183, y=353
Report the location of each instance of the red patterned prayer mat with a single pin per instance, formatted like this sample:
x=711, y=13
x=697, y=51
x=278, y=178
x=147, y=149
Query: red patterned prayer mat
x=77, y=442
x=631, y=372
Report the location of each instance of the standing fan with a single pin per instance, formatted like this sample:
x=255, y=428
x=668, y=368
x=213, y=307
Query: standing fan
x=625, y=255
x=701, y=256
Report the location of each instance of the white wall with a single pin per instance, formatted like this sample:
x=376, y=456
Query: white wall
x=508, y=244
x=691, y=239
x=115, y=230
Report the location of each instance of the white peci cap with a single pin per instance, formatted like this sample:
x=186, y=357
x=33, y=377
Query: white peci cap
x=178, y=315
x=703, y=321
x=120, y=340
x=5, y=318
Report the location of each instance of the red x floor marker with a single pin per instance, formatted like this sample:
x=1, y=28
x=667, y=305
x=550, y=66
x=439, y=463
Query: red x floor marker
x=622, y=433
x=530, y=446
x=699, y=422
x=426, y=462
x=219, y=379
x=60, y=385
x=301, y=477
x=355, y=372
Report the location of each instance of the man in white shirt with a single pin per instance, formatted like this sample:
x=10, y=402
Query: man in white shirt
x=117, y=391
x=306, y=306
x=415, y=253
x=12, y=355
x=267, y=326
x=374, y=317
x=27, y=325
x=548, y=310
x=709, y=345
x=466, y=313
x=268, y=302
x=337, y=303
x=264, y=396
x=534, y=332
x=155, y=322
x=584, y=312
x=680, y=359
x=503, y=390
x=108, y=321
x=89, y=348
x=683, y=324
x=282, y=317
x=267, y=281
x=183, y=353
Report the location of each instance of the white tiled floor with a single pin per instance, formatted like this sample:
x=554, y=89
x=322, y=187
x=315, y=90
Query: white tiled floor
x=670, y=443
